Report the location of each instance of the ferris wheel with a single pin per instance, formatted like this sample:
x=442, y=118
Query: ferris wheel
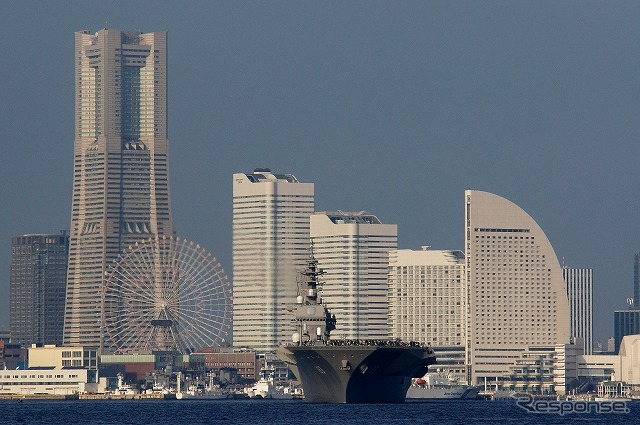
x=167, y=294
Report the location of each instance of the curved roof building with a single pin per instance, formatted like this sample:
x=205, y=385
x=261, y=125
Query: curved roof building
x=517, y=295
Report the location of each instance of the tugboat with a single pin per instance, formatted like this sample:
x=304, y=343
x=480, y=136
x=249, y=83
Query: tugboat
x=346, y=371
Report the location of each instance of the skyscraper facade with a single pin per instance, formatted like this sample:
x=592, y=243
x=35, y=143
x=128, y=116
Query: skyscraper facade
x=352, y=248
x=580, y=294
x=37, y=288
x=517, y=296
x=270, y=247
x=625, y=322
x=121, y=164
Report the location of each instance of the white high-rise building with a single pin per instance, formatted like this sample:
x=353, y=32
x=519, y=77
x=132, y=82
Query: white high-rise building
x=517, y=295
x=580, y=293
x=270, y=246
x=352, y=248
x=428, y=304
x=427, y=296
x=121, y=164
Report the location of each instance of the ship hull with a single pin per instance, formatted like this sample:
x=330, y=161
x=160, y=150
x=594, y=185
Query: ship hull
x=356, y=374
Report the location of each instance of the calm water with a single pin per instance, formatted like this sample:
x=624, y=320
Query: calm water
x=256, y=412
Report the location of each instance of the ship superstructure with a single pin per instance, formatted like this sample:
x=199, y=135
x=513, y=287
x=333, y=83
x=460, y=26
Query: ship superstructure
x=346, y=371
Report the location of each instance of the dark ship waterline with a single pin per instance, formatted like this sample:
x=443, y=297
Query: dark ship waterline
x=346, y=371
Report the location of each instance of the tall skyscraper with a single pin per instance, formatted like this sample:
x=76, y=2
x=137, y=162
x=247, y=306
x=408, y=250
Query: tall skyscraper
x=270, y=247
x=428, y=303
x=580, y=293
x=352, y=248
x=37, y=288
x=121, y=164
x=517, y=296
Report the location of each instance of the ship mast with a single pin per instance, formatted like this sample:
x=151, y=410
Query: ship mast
x=309, y=311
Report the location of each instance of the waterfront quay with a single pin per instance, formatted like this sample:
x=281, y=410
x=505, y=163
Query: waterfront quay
x=153, y=396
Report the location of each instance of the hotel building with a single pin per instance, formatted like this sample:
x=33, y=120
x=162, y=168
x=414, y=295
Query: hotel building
x=270, y=246
x=517, y=295
x=352, y=248
x=428, y=303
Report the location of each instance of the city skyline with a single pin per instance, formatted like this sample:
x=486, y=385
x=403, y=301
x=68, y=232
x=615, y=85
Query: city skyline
x=393, y=110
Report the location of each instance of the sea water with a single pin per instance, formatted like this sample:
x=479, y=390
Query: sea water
x=281, y=412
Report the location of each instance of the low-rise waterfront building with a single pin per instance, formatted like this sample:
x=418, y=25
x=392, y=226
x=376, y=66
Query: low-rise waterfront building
x=59, y=357
x=135, y=367
x=244, y=361
x=629, y=368
x=596, y=367
x=50, y=380
x=545, y=370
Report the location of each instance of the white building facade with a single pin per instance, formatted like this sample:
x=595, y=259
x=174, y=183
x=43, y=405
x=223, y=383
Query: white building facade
x=51, y=381
x=270, y=246
x=517, y=295
x=427, y=296
x=545, y=370
x=428, y=304
x=352, y=248
x=580, y=294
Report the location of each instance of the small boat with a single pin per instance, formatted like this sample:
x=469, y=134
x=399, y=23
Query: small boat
x=265, y=388
x=438, y=386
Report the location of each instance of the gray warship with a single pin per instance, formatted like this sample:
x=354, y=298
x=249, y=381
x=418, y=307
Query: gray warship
x=346, y=371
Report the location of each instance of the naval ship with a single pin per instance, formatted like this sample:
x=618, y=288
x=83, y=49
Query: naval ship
x=341, y=370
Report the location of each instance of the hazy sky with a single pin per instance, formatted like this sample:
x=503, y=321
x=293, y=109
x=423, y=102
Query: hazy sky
x=392, y=107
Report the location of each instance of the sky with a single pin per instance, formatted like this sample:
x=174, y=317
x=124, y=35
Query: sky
x=390, y=107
